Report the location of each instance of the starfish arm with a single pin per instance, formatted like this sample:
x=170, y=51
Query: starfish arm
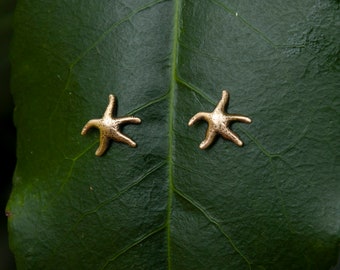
x=198, y=116
x=129, y=119
x=90, y=124
x=231, y=136
x=124, y=139
x=109, y=109
x=224, y=100
x=103, y=144
x=240, y=118
x=209, y=138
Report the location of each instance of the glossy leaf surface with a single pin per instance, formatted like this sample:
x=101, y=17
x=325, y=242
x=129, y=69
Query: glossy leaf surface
x=272, y=204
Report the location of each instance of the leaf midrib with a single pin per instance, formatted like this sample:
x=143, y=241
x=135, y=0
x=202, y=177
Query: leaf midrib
x=174, y=57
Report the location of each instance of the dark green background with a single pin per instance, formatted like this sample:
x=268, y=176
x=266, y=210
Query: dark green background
x=7, y=130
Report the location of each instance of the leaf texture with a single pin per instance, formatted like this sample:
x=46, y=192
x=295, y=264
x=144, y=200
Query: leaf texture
x=272, y=204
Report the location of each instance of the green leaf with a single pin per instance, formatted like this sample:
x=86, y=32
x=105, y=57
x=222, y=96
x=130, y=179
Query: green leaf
x=272, y=204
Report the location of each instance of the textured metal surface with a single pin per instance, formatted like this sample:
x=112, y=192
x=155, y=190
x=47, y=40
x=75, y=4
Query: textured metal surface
x=109, y=128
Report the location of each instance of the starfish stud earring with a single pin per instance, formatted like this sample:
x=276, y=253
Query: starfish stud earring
x=219, y=122
x=109, y=127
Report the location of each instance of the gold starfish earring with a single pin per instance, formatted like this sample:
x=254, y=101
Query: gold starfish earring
x=109, y=127
x=219, y=122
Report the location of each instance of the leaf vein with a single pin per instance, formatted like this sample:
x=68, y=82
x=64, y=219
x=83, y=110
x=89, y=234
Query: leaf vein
x=95, y=43
x=116, y=196
x=137, y=242
x=195, y=89
x=194, y=172
x=70, y=172
x=114, y=26
x=202, y=53
x=150, y=103
x=214, y=221
x=253, y=28
x=119, y=194
x=173, y=63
